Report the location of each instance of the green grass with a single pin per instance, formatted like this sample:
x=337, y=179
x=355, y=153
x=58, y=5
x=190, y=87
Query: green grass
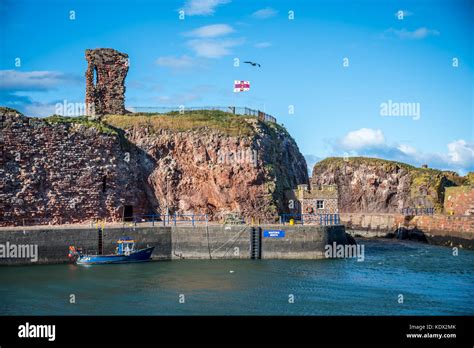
x=470, y=178
x=386, y=164
x=226, y=123
x=82, y=120
x=5, y=110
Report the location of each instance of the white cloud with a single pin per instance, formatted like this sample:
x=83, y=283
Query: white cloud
x=461, y=152
x=39, y=109
x=416, y=34
x=262, y=44
x=407, y=150
x=205, y=42
x=202, y=7
x=372, y=143
x=177, y=63
x=364, y=137
x=16, y=80
x=213, y=48
x=265, y=13
x=213, y=30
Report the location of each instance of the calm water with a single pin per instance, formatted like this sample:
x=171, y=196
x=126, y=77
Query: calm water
x=432, y=281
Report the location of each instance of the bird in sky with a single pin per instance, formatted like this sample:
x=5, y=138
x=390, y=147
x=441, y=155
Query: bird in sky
x=252, y=63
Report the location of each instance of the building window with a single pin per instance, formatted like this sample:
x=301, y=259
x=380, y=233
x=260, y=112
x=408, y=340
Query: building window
x=319, y=204
x=96, y=76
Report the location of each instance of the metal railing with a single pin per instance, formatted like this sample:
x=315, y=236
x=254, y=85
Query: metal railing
x=314, y=219
x=171, y=219
x=418, y=211
x=236, y=110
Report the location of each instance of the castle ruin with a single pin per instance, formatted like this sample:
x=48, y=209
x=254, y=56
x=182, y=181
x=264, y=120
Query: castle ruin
x=105, y=81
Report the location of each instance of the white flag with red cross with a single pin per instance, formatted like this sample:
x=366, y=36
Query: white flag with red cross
x=241, y=86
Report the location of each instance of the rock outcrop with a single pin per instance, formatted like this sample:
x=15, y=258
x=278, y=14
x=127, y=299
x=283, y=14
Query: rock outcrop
x=381, y=186
x=67, y=170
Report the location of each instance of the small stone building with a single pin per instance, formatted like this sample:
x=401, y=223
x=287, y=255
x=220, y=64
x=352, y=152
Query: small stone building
x=314, y=200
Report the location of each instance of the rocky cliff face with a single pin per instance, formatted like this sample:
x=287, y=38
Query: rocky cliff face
x=375, y=185
x=216, y=170
x=74, y=169
x=64, y=172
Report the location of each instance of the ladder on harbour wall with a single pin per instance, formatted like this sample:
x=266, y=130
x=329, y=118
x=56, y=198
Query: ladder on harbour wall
x=100, y=246
x=256, y=243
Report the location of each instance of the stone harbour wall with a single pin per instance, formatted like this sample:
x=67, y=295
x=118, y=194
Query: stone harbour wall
x=459, y=200
x=302, y=242
x=53, y=244
x=438, y=229
x=213, y=242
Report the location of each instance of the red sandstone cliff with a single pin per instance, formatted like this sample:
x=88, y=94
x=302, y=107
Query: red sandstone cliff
x=75, y=169
x=381, y=186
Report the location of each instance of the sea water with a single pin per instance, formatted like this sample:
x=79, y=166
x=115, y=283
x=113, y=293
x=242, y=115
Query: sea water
x=395, y=278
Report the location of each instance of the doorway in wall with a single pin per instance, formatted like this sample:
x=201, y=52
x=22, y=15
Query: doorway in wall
x=128, y=213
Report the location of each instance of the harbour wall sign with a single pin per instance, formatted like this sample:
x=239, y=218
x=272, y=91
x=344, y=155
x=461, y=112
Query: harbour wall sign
x=273, y=233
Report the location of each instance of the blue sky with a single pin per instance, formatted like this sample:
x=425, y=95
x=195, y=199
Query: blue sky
x=337, y=108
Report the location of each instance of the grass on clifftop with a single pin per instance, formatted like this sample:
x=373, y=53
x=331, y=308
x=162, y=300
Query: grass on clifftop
x=82, y=120
x=387, y=165
x=227, y=123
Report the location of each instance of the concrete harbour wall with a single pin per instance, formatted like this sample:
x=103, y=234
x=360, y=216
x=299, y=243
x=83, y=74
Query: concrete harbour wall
x=214, y=242
x=53, y=244
x=302, y=242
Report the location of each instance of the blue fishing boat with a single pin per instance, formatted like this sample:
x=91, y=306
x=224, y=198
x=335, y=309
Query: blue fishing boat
x=124, y=253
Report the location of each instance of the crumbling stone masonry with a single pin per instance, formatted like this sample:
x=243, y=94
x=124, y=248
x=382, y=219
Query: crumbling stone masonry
x=459, y=200
x=66, y=173
x=105, y=81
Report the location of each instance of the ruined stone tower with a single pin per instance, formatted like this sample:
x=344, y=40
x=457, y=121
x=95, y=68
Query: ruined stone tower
x=105, y=81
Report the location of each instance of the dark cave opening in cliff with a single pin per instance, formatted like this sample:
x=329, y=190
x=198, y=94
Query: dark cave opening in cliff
x=128, y=213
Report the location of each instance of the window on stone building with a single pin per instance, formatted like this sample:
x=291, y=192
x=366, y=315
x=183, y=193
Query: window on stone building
x=319, y=204
x=96, y=76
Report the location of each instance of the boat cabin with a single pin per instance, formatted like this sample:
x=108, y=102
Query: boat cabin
x=125, y=246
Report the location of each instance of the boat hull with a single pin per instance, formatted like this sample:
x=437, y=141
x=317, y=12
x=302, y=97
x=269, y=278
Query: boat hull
x=141, y=255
